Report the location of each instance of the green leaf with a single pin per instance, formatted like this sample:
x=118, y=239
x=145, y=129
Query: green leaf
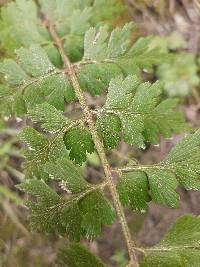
x=20, y=24
x=34, y=61
x=119, y=41
x=33, y=139
x=50, y=118
x=94, y=208
x=162, y=187
x=39, y=189
x=39, y=151
x=137, y=106
x=101, y=50
x=181, y=165
x=14, y=74
x=52, y=88
x=97, y=46
x=69, y=176
x=133, y=188
x=11, y=102
x=144, y=56
x=79, y=141
x=18, y=104
x=38, y=80
x=106, y=56
x=133, y=127
x=179, y=247
x=184, y=159
x=75, y=215
x=51, y=213
x=96, y=211
x=121, y=91
x=109, y=128
x=95, y=78
x=78, y=256
x=165, y=119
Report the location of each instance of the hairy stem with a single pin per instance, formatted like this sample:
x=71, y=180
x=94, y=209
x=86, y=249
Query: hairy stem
x=138, y=167
x=70, y=73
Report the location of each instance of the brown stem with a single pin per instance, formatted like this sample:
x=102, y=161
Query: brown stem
x=70, y=73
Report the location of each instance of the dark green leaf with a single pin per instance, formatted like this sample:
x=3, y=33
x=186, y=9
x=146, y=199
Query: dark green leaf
x=78, y=256
x=79, y=142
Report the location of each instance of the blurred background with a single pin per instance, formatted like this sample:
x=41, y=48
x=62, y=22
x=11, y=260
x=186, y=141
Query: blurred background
x=175, y=25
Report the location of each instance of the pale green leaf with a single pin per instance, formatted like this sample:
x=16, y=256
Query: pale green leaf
x=13, y=73
x=34, y=61
x=39, y=151
x=50, y=118
x=69, y=176
x=120, y=91
x=97, y=45
x=21, y=24
x=109, y=128
x=119, y=41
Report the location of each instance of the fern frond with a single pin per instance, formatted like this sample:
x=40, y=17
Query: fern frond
x=36, y=78
x=41, y=149
x=179, y=247
x=84, y=210
x=106, y=56
x=76, y=137
x=73, y=134
x=21, y=24
x=133, y=108
x=68, y=175
x=158, y=182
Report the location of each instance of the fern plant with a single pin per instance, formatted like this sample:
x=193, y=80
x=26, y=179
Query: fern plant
x=56, y=65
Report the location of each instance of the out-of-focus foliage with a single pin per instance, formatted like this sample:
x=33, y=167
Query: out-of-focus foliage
x=180, y=73
x=119, y=258
x=20, y=23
